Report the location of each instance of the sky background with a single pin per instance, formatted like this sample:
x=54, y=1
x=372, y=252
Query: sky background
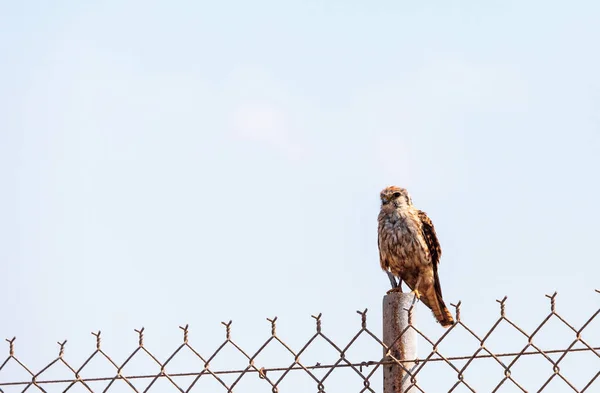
x=165, y=163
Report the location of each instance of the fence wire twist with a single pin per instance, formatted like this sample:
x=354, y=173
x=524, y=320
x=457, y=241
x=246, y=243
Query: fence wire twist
x=321, y=372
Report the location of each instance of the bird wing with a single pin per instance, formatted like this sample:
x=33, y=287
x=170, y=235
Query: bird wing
x=436, y=302
x=382, y=261
x=431, y=239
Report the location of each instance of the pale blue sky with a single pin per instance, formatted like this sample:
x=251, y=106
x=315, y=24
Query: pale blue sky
x=183, y=162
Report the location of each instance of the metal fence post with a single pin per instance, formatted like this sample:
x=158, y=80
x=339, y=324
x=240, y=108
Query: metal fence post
x=395, y=322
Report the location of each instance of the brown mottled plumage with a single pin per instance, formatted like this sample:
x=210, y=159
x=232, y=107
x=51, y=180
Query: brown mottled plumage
x=409, y=249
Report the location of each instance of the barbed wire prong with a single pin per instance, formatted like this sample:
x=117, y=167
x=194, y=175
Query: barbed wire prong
x=185, y=332
x=97, y=335
x=552, y=301
x=502, y=306
x=11, y=345
x=363, y=317
x=273, y=321
x=140, y=336
x=410, y=313
x=318, y=321
x=457, y=308
x=61, y=351
x=227, y=329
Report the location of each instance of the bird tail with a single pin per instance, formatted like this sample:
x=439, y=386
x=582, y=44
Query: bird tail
x=441, y=313
x=433, y=300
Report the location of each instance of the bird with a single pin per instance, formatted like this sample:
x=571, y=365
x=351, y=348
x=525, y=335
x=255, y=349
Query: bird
x=410, y=250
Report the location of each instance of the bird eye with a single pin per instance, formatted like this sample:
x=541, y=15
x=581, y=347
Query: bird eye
x=396, y=195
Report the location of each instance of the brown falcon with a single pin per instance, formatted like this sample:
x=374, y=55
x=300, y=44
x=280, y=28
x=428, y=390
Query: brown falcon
x=409, y=249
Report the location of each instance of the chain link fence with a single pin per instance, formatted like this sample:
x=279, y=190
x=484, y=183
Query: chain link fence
x=554, y=356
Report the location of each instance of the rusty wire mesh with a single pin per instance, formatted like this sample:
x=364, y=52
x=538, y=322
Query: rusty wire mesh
x=572, y=366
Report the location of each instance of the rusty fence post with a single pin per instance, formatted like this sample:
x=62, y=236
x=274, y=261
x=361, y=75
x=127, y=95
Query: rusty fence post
x=395, y=322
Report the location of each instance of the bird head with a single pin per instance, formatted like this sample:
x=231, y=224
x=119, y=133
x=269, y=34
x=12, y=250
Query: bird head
x=395, y=196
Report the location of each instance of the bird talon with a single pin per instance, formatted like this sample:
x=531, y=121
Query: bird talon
x=416, y=293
